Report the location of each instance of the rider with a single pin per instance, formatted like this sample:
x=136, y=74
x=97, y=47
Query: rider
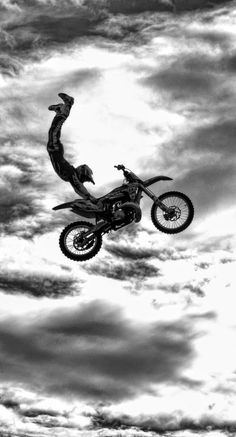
x=76, y=176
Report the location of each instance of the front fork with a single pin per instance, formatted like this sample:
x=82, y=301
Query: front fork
x=156, y=200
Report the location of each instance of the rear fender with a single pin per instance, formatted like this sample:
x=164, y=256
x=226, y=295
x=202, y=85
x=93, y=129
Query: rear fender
x=63, y=206
x=156, y=179
x=79, y=207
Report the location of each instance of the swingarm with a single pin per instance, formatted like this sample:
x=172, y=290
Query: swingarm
x=99, y=228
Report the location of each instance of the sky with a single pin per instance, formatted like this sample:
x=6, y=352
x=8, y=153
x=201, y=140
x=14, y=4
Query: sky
x=140, y=340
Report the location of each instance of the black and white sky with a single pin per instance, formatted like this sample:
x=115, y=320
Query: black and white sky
x=139, y=341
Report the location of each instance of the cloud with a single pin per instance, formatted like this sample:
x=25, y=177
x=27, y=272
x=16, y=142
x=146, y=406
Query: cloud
x=217, y=136
x=78, y=346
x=216, y=243
x=55, y=29
x=204, y=157
x=194, y=83
x=217, y=173
x=219, y=193
x=31, y=412
x=31, y=29
x=195, y=288
x=8, y=66
x=203, y=265
x=15, y=282
x=23, y=190
x=135, y=270
x=182, y=84
x=132, y=252
x=161, y=423
x=140, y=6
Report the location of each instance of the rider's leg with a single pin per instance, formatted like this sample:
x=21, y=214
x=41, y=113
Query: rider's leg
x=54, y=134
x=54, y=146
x=62, y=112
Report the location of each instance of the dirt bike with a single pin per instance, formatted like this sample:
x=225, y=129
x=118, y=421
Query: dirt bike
x=171, y=212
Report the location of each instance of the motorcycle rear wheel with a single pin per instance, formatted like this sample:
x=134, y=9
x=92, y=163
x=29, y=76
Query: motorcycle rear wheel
x=72, y=248
x=180, y=219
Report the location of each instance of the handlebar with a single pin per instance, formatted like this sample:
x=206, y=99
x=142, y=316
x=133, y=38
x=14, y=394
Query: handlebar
x=120, y=167
x=128, y=174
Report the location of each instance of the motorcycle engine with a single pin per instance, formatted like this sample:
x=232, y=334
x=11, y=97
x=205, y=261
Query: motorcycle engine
x=119, y=215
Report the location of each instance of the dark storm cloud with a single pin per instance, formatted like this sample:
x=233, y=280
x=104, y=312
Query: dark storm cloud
x=74, y=352
x=23, y=188
x=139, y=6
x=202, y=79
x=217, y=174
x=182, y=84
x=139, y=253
x=35, y=412
x=30, y=29
x=15, y=282
x=230, y=62
x=78, y=78
x=15, y=206
x=60, y=30
x=104, y=323
x=129, y=252
x=8, y=66
x=135, y=270
x=218, y=136
x=197, y=74
x=206, y=164
x=33, y=29
x=9, y=403
x=162, y=423
x=18, y=200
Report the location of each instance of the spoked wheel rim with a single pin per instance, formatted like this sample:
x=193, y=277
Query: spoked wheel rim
x=73, y=241
x=178, y=216
x=179, y=212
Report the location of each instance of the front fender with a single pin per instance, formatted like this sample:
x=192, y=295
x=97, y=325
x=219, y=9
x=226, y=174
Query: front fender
x=156, y=179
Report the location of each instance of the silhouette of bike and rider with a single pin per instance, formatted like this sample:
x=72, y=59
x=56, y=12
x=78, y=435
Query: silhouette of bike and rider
x=171, y=212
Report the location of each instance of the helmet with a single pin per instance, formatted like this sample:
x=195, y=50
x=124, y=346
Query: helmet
x=85, y=173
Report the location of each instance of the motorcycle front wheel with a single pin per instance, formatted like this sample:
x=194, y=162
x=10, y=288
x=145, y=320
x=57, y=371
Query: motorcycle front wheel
x=72, y=244
x=179, y=217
